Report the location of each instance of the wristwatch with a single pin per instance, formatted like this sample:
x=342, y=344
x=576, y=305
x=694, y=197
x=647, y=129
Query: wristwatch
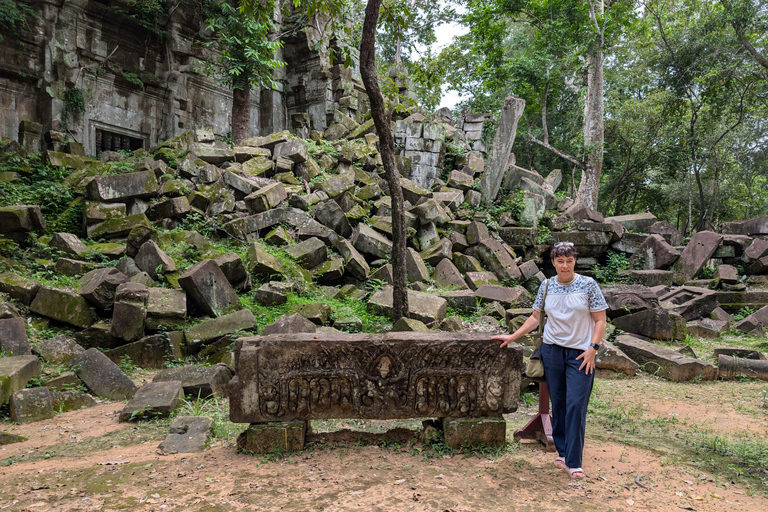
x=595, y=346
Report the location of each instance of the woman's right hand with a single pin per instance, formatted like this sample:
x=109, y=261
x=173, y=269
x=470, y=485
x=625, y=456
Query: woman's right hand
x=507, y=339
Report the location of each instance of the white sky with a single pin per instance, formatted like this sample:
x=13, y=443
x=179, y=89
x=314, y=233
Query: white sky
x=445, y=34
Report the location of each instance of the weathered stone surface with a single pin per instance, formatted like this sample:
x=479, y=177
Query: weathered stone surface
x=460, y=433
x=15, y=372
x=28, y=405
x=64, y=382
x=69, y=267
x=409, y=325
x=102, y=376
x=689, y=301
x=460, y=180
x=18, y=287
x=199, y=381
x=151, y=351
x=460, y=300
x=656, y=323
x=654, y=253
x=119, y=227
x=756, y=250
x=740, y=352
x=497, y=259
x=366, y=240
x=273, y=293
x=508, y=297
x=292, y=324
x=188, y=434
x=668, y=363
x=668, y=231
x=68, y=244
x=651, y=278
x=152, y=400
x=413, y=192
x=316, y=312
x=477, y=279
x=208, y=289
x=448, y=276
x=266, y=198
x=63, y=306
x=295, y=150
x=476, y=232
x=330, y=214
x=64, y=401
x=259, y=261
x=438, y=252
x=706, y=328
x=123, y=186
x=627, y=299
x=758, y=319
x=431, y=210
x=234, y=270
x=695, y=255
x=274, y=436
x=727, y=274
x=98, y=287
x=153, y=260
x=330, y=271
x=416, y=270
x=209, y=330
x=21, y=219
x=639, y=223
x=13, y=337
x=59, y=349
x=511, y=112
x=337, y=185
x=394, y=375
x=354, y=262
x=166, y=309
x=751, y=227
x=309, y=253
x=609, y=357
x=215, y=153
x=421, y=306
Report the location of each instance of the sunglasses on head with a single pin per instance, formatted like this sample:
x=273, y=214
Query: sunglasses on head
x=564, y=244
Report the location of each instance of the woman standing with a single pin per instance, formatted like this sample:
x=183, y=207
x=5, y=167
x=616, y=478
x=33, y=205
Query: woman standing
x=575, y=307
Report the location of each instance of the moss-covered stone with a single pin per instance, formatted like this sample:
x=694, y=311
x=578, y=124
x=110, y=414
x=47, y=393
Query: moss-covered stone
x=63, y=306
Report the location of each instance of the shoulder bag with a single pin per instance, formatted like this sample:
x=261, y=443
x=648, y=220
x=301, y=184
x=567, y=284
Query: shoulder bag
x=535, y=369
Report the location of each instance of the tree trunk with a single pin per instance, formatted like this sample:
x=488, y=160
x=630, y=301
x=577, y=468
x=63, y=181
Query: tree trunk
x=241, y=114
x=387, y=150
x=589, y=188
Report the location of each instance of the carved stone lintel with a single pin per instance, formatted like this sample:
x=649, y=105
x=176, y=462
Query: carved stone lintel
x=373, y=376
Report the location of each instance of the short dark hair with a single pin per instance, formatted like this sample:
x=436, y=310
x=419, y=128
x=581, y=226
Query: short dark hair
x=566, y=249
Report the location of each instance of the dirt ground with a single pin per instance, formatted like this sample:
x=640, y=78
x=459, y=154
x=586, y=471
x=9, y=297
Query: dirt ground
x=638, y=456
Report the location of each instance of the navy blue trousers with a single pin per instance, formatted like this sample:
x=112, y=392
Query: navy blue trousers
x=569, y=391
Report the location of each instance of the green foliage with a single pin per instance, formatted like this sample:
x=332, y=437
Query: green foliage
x=706, y=273
x=133, y=78
x=743, y=313
x=609, y=273
x=13, y=17
x=74, y=103
x=151, y=15
x=127, y=365
x=544, y=235
x=41, y=184
x=245, y=56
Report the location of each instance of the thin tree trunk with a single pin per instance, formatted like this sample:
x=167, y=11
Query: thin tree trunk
x=387, y=150
x=589, y=188
x=241, y=114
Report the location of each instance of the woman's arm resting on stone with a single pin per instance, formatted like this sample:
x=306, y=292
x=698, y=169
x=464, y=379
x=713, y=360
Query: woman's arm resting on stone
x=530, y=324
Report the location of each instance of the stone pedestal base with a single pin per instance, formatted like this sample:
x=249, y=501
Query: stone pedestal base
x=273, y=437
x=464, y=432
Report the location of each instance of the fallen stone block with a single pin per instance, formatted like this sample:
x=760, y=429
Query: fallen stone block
x=736, y=367
x=266, y=198
x=433, y=255
x=166, y=309
x=29, y=405
x=98, y=287
x=6, y=438
x=291, y=324
x=59, y=349
x=13, y=337
x=309, y=253
x=103, y=377
x=65, y=401
x=656, y=323
x=330, y=214
x=757, y=320
x=497, y=259
x=695, y=255
x=153, y=260
x=691, y=302
x=153, y=400
x=151, y=351
x=15, y=372
x=68, y=244
x=69, y=267
x=317, y=312
x=483, y=379
x=653, y=254
x=209, y=330
x=627, y=299
x=21, y=219
x=650, y=278
x=638, y=223
x=188, y=434
x=63, y=306
x=199, y=381
x=119, y=227
x=260, y=262
x=743, y=353
x=515, y=297
x=421, y=306
x=448, y=276
x=409, y=325
x=366, y=240
x=750, y=227
x=609, y=357
x=273, y=293
x=667, y=363
x=477, y=279
x=208, y=289
x=18, y=287
x=123, y=186
x=64, y=382
x=706, y=328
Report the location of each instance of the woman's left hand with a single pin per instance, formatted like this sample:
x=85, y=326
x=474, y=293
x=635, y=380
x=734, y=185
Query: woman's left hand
x=588, y=357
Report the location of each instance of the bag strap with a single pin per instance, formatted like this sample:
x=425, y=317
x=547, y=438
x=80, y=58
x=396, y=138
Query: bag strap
x=540, y=331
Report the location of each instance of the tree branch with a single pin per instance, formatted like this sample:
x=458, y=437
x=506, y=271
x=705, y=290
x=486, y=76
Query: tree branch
x=581, y=165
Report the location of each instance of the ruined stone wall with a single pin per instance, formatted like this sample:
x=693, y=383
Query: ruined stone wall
x=138, y=89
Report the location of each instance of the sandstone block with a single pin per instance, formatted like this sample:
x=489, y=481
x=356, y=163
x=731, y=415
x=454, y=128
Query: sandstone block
x=21, y=219
x=15, y=372
x=609, y=357
x=152, y=400
x=188, y=434
x=668, y=363
x=103, y=377
x=63, y=306
x=654, y=253
x=210, y=330
x=13, y=337
x=261, y=262
x=199, y=381
x=18, y=287
x=59, y=349
x=68, y=244
x=695, y=255
x=368, y=241
x=151, y=351
x=266, y=198
x=309, y=253
x=208, y=289
x=421, y=306
x=656, y=323
x=28, y=405
x=166, y=309
x=465, y=432
x=292, y=324
x=274, y=437
x=123, y=186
